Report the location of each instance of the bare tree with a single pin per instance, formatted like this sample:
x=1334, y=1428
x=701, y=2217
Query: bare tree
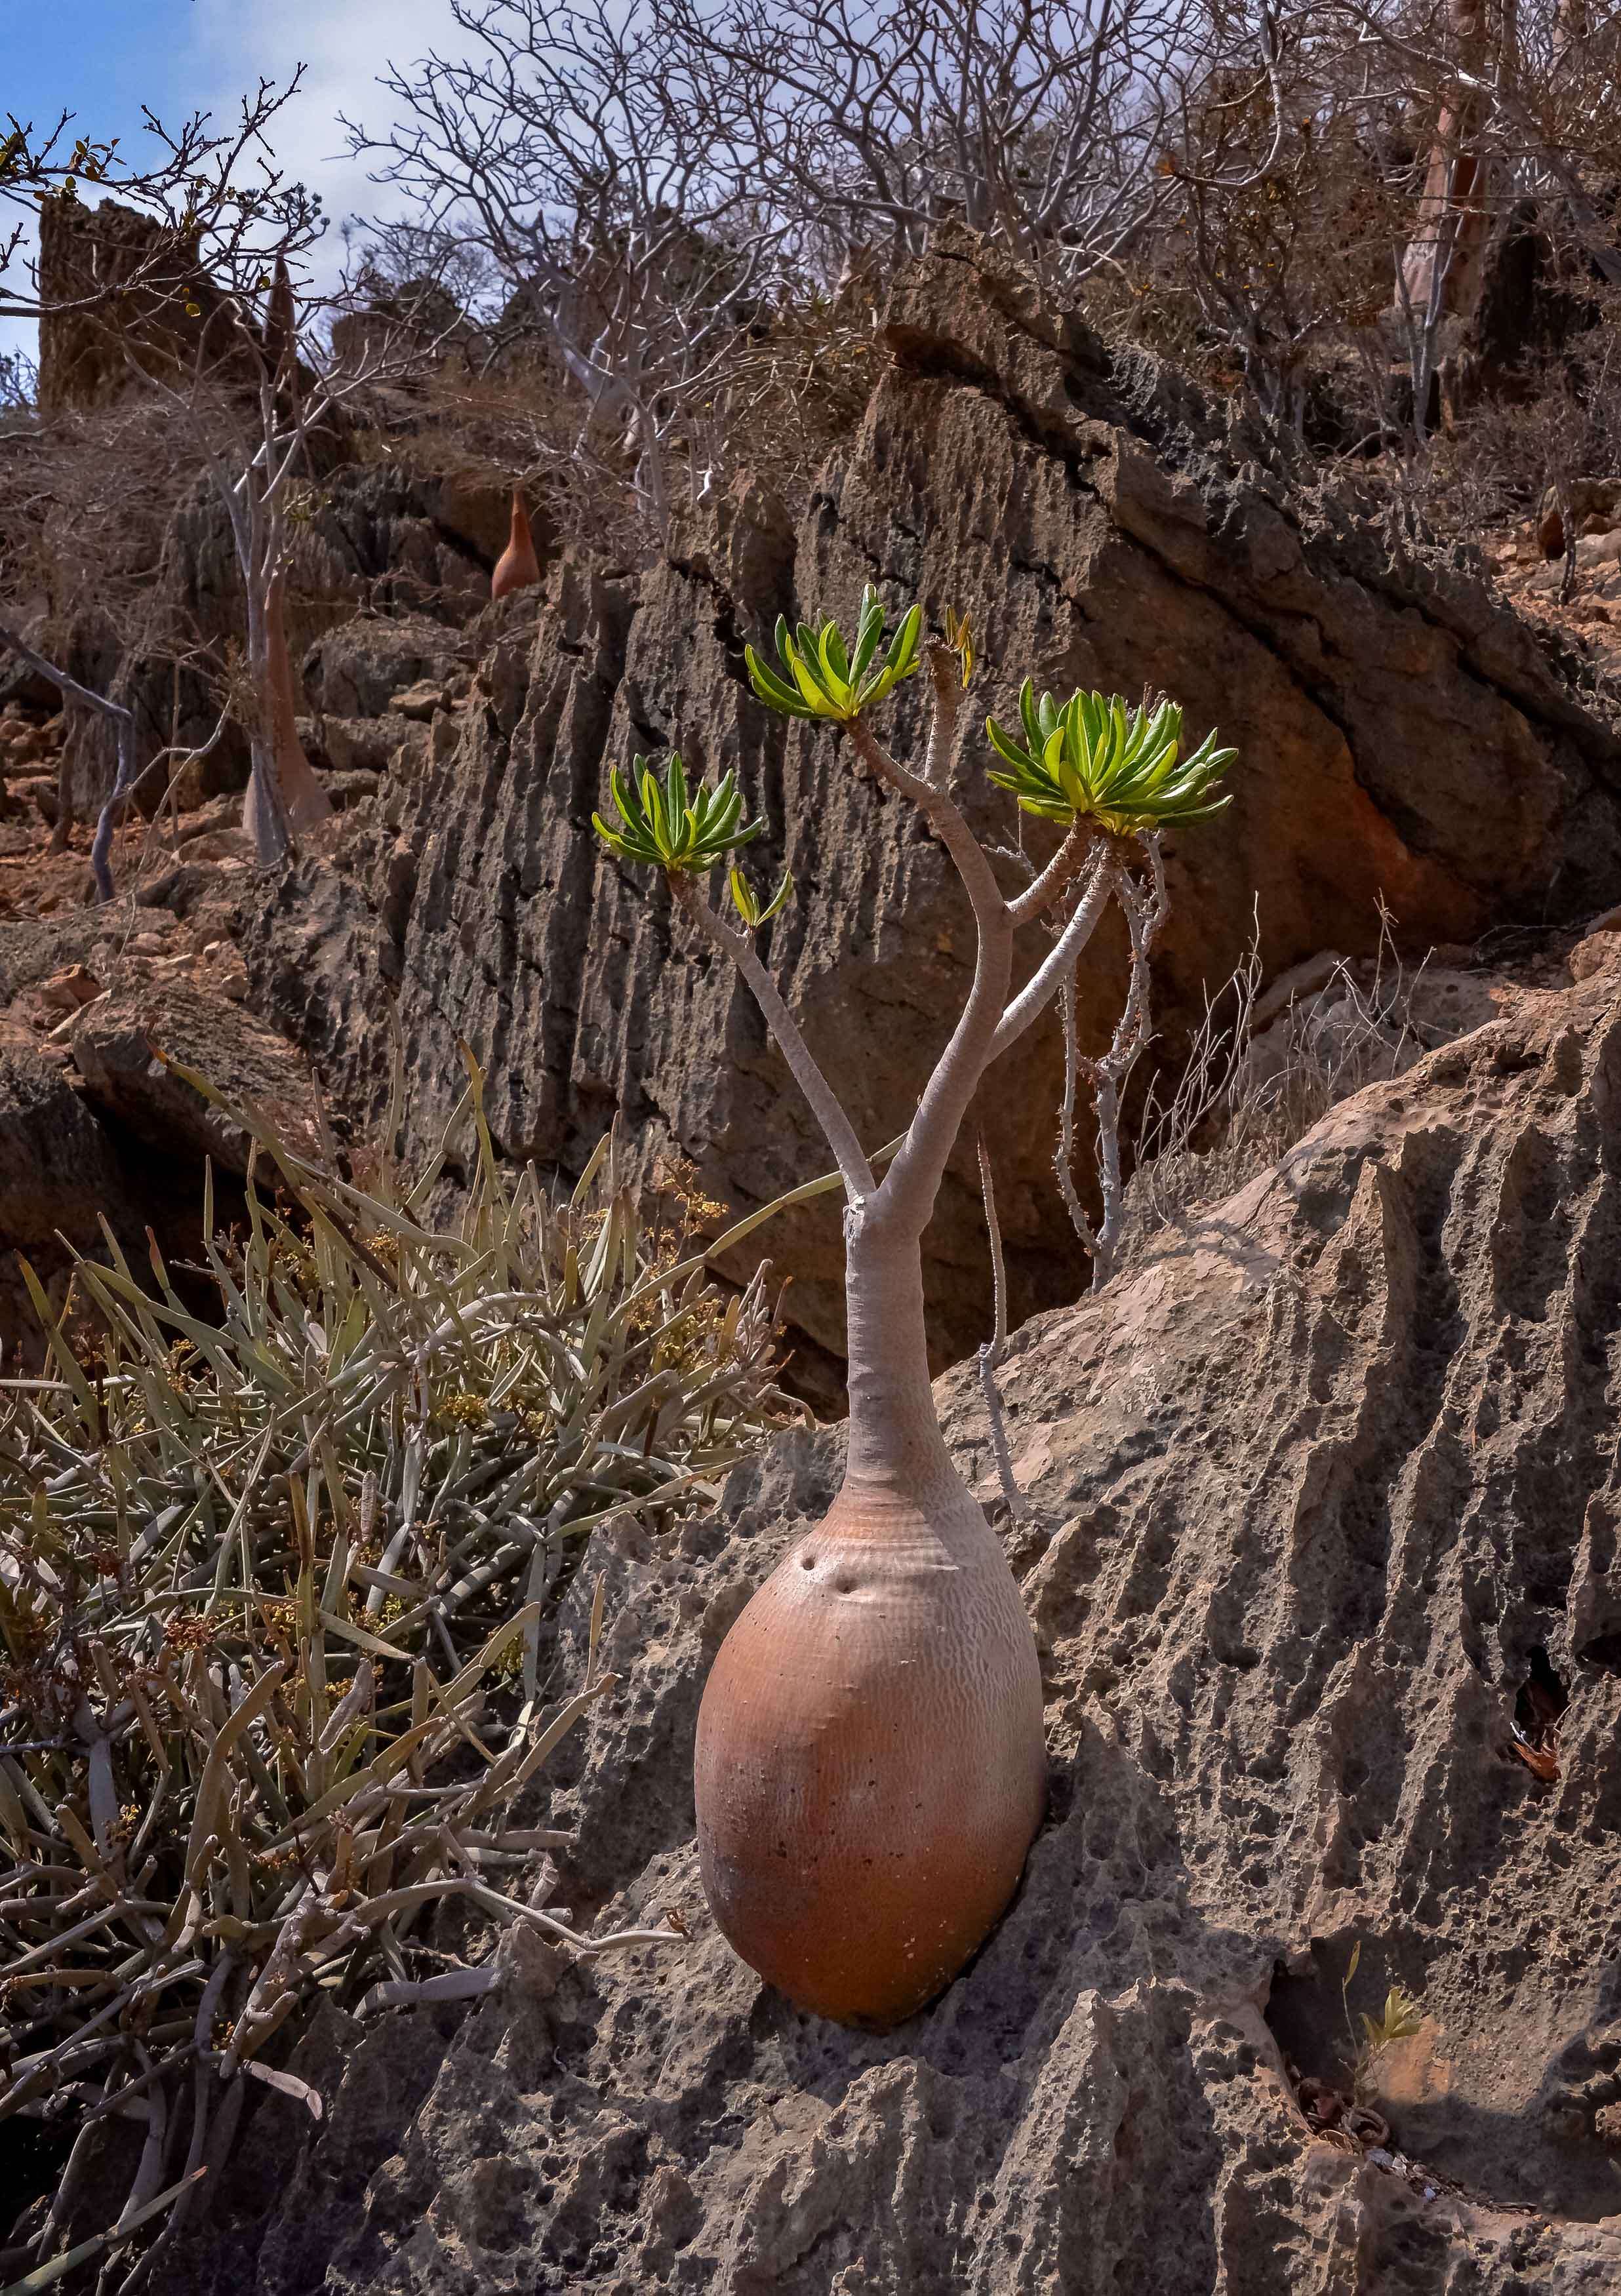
x=87, y=497
x=159, y=277
x=1039, y=123
x=1441, y=263
x=1346, y=176
x=1524, y=102
x=1278, y=244
x=256, y=445
x=213, y=192
x=614, y=197
x=251, y=401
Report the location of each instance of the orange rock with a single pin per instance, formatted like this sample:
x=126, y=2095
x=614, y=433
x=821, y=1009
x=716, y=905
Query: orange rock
x=517, y=566
x=1601, y=952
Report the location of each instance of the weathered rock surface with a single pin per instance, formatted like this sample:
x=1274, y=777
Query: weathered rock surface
x=92, y=1122
x=357, y=670
x=61, y=1174
x=1321, y=1500
x=172, y=316
x=58, y=1169
x=1402, y=736
x=127, y=1044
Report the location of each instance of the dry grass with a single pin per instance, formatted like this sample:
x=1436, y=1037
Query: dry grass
x=1258, y=1076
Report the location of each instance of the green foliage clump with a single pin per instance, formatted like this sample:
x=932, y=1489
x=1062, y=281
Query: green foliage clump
x=1400, y=2019
x=1092, y=758
x=274, y=1575
x=824, y=678
x=665, y=824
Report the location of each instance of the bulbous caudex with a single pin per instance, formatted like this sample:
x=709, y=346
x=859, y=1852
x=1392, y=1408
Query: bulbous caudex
x=870, y=1766
x=517, y=567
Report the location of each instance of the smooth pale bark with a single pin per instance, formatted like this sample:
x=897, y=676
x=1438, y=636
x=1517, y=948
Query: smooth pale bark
x=896, y=1447
x=1572, y=30
x=1441, y=267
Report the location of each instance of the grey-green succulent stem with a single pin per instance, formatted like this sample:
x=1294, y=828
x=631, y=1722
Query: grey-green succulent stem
x=906, y=1196
x=1043, y=985
x=841, y=1133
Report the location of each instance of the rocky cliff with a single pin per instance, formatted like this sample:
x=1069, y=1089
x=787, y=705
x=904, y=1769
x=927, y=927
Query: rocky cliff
x=1321, y=1545
x=1404, y=737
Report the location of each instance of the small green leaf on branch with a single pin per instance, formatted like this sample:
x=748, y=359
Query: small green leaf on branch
x=746, y=901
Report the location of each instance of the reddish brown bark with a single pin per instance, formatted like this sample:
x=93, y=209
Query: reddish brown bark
x=1449, y=235
x=517, y=567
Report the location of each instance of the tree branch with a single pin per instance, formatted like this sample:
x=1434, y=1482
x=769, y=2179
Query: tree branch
x=860, y=1184
x=1060, y=872
x=125, y=776
x=1043, y=985
x=60, y=677
x=990, y=1354
x=938, y=808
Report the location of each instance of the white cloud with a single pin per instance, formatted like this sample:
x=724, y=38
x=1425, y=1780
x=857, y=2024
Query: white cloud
x=344, y=45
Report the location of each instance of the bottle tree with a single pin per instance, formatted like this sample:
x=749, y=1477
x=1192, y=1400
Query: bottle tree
x=870, y=1766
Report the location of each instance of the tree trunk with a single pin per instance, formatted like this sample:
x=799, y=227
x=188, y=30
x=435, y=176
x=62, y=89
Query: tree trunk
x=1441, y=269
x=871, y=1766
x=896, y=1442
x=285, y=795
x=1572, y=30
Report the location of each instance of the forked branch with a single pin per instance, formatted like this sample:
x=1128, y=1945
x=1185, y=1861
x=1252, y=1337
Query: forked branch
x=1102, y=771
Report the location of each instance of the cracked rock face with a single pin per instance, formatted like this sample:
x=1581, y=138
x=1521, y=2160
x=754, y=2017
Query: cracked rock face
x=1402, y=737
x=130, y=1044
x=1322, y=1501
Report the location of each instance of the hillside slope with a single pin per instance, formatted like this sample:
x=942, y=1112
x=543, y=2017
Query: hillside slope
x=1322, y=1501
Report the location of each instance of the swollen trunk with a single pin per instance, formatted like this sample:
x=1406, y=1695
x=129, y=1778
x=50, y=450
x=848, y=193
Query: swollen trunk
x=517, y=568
x=871, y=1767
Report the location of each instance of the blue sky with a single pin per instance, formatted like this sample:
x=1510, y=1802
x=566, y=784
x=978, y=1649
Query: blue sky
x=103, y=59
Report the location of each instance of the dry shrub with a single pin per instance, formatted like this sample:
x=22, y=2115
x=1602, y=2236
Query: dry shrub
x=779, y=400
x=1259, y=1072
x=274, y=1586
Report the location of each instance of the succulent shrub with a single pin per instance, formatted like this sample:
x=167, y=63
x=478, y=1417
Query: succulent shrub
x=273, y=1586
x=871, y=1767
x=1094, y=757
